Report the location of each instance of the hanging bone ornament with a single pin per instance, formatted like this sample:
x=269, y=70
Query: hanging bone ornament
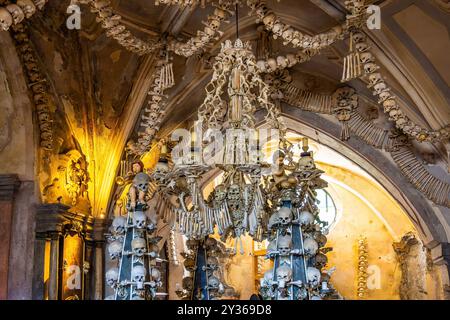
x=284, y=245
x=139, y=246
x=112, y=276
x=284, y=276
x=27, y=6
x=138, y=276
x=115, y=249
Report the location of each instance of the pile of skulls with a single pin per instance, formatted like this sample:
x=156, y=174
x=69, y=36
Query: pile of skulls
x=209, y=33
x=215, y=253
x=296, y=236
x=388, y=100
x=37, y=82
x=114, y=29
x=290, y=35
x=13, y=14
x=143, y=284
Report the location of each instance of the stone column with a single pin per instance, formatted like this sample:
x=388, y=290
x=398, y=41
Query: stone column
x=99, y=257
x=53, y=281
x=440, y=255
x=50, y=220
x=8, y=187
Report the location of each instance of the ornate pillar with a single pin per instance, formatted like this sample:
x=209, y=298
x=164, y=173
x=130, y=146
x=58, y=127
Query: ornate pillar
x=61, y=253
x=8, y=187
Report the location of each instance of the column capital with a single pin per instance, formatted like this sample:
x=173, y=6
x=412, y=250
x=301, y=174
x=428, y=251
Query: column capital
x=9, y=183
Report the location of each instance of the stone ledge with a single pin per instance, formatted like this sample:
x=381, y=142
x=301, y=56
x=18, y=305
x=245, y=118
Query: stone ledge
x=9, y=183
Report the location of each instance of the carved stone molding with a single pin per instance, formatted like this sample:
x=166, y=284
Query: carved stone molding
x=56, y=219
x=9, y=183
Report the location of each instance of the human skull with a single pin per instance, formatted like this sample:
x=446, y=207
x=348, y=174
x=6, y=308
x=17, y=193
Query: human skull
x=141, y=181
x=362, y=47
x=306, y=218
x=269, y=20
x=115, y=249
x=266, y=281
x=212, y=263
x=155, y=275
x=112, y=276
x=16, y=13
x=214, y=24
x=282, y=62
x=119, y=225
x=277, y=29
x=374, y=78
x=320, y=260
x=285, y=215
x=284, y=245
x=284, y=276
x=139, y=219
x=272, y=64
x=310, y=246
x=313, y=276
x=359, y=37
x=366, y=57
x=389, y=104
x=384, y=96
x=138, y=276
x=306, y=163
x=27, y=6
x=370, y=67
x=213, y=283
x=139, y=246
x=320, y=238
x=6, y=19
x=379, y=87
x=261, y=64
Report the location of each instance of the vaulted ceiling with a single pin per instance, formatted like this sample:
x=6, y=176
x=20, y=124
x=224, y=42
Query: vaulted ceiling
x=101, y=88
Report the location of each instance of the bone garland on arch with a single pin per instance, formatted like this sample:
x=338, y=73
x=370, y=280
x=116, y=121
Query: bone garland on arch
x=209, y=33
x=37, y=82
x=114, y=29
x=389, y=101
x=13, y=14
x=396, y=144
x=154, y=113
x=292, y=36
x=182, y=3
x=413, y=169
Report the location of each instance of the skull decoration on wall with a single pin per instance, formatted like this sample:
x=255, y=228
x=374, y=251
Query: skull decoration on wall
x=6, y=20
x=310, y=246
x=119, y=225
x=284, y=245
x=273, y=220
x=306, y=163
x=284, y=276
x=139, y=219
x=313, y=276
x=306, y=218
x=213, y=283
x=115, y=249
x=138, y=276
x=139, y=246
x=285, y=215
x=112, y=276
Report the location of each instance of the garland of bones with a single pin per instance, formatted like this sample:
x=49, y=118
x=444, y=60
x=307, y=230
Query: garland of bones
x=435, y=189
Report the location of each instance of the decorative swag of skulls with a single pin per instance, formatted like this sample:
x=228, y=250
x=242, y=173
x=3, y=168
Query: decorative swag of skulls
x=236, y=206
